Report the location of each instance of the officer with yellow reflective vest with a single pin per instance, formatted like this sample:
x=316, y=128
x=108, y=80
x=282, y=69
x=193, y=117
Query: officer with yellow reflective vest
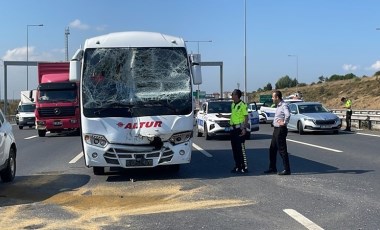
x=347, y=104
x=239, y=123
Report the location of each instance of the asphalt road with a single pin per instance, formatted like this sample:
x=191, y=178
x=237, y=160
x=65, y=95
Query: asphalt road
x=334, y=185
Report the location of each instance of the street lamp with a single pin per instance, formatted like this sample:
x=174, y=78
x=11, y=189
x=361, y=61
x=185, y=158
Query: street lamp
x=199, y=53
x=294, y=55
x=245, y=52
x=27, y=53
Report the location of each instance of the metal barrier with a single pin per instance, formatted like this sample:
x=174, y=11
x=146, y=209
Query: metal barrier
x=362, y=119
x=11, y=119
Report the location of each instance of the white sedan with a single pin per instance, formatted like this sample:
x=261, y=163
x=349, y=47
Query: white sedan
x=7, y=150
x=312, y=117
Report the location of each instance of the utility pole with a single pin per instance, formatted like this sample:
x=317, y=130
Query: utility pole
x=67, y=32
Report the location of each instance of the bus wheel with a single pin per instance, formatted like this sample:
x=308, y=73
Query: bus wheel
x=98, y=170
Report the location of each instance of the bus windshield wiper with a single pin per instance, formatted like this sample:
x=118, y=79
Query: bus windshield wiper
x=114, y=105
x=155, y=103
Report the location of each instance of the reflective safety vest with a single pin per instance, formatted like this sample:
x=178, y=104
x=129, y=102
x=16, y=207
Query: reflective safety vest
x=348, y=104
x=238, y=113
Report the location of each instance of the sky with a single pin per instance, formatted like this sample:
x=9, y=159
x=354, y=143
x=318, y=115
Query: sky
x=322, y=37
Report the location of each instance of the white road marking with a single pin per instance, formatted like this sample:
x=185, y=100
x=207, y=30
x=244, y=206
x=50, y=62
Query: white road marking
x=367, y=134
x=75, y=159
x=202, y=150
x=316, y=146
x=31, y=137
x=302, y=219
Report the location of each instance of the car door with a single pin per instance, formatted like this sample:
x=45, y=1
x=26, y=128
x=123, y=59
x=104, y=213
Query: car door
x=293, y=117
x=201, y=118
x=253, y=118
x=3, y=135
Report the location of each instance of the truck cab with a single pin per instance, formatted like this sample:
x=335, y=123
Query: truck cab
x=25, y=115
x=57, y=100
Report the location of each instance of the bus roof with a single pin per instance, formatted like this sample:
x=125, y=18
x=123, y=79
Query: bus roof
x=134, y=39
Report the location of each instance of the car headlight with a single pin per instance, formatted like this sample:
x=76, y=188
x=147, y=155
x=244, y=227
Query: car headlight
x=96, y=140
x=20, y=118
x=179, y=138
x=211, y=120
x=309, y=120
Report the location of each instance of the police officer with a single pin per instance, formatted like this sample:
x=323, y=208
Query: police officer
x=280, y=121
x=239, y=123
x=347, y=104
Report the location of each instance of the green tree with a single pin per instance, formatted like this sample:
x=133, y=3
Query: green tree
x=285, y=82
x=268, y=87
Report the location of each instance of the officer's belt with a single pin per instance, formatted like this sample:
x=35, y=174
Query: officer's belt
x=237, y=126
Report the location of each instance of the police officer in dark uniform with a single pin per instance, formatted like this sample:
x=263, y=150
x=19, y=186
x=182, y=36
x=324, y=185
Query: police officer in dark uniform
x=238, y=122
x=280, y=121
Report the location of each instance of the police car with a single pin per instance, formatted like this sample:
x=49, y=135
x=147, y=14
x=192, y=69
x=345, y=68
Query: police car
x=213, y=119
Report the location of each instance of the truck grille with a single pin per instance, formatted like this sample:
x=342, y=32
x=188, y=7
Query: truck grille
x=57, y=111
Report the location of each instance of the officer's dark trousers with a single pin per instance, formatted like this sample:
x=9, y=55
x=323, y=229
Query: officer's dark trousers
x=238, y=149
x=279, y=144
x=348, y=119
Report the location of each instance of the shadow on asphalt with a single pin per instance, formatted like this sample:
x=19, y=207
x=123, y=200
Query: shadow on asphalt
x=220, y=164
x=36, y=188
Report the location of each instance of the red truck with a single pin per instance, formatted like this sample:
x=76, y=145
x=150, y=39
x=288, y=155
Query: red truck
x=57, y=102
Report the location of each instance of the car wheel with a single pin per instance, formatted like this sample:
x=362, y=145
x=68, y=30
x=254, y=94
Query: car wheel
x=98, y=170
x=9, y=173
x=41, y=133
x=300, y=128
x=20, y=127
x=208, y=137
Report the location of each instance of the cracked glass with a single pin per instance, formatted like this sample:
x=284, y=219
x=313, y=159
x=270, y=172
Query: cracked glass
x=131, y=82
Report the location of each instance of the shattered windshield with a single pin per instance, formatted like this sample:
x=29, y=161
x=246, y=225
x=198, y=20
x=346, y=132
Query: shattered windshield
x=136, y=82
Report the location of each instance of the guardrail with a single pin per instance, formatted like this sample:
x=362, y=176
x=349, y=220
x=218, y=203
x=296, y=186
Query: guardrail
x=11, y=118
x=362, y=119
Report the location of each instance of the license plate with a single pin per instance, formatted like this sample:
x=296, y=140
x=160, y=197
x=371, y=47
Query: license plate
x=227, y=129
x=57, y=123
x=139, y=162
x=30, y=123
x=325, y=126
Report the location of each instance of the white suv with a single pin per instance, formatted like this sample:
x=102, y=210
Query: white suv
x=7, y=150
x=213, y=119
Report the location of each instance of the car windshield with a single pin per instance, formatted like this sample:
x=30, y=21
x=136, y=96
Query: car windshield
x=27, y=108
x=313, y=108
x=255, y=107
x=219, y=107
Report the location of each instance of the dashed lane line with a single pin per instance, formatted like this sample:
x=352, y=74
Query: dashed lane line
x=31, y=137
x=202, y=150
x=302, y=219
x=367, y=134
x=316, y=146
x=75, y=159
